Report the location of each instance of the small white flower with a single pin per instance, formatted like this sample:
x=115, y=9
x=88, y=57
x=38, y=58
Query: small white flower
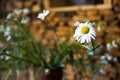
x=10, y=15
x=43, y=14
x=114, y=44
x=100, y=27
x=108, y=46
x=115, y=59
x=17, y=12
x=1, y=57
x=47, y=71
x=8, y=38
x=1, y=28
x=102, y=71
x=7, y=52
x=94, y=23
x=84, y=32
x=103, y=57
x=18, y=72
x=104, y=62
x=25, y=11
x=7, y=31
x=91, y=53
x=21, y=11
x=62, y=65
x=25, y=20
x=108, y=57
x=7, y=57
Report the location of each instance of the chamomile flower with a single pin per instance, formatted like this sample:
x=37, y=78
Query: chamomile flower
x=43, y=14
x=84, y=32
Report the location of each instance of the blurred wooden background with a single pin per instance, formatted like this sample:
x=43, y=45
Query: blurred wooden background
x=63, y=22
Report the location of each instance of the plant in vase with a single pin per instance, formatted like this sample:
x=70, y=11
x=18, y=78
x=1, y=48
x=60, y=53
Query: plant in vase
x=20, y=50
x=85, y=34
x=59, y=54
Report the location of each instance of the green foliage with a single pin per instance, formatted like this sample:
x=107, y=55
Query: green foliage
x=22, y=50
x=19, y=50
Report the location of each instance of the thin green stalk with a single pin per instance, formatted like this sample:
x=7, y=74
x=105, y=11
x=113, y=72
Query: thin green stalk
x=21, y=42
x=92, y=45
x=15, y=57
x=8, y=74
x=52, y=28
x=54, y=31
x=37, y=73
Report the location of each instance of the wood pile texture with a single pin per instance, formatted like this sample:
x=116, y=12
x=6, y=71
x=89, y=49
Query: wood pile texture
x=63, y=23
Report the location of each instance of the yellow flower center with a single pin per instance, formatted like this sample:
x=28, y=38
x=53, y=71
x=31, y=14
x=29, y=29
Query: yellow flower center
x=85, y=29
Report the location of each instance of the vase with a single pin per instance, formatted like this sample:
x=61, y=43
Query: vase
x=52, y=74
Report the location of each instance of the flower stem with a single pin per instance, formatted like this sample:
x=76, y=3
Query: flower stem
x=92, y=45
x=8, y=74
x=54, y=31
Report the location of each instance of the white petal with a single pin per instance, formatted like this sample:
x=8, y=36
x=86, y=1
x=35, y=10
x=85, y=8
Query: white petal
x=92, y=36
x=82, y=39
x=77, y=23
x=89, y=39
x=46, y=12
x=40, y=16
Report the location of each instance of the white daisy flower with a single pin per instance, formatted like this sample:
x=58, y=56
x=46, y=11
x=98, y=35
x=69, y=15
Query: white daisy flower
x=43, y=14
x=84, y=32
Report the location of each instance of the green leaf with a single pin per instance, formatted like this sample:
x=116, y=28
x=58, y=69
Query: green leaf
x=70, y=53
x=57, y=58
x=93, y=49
